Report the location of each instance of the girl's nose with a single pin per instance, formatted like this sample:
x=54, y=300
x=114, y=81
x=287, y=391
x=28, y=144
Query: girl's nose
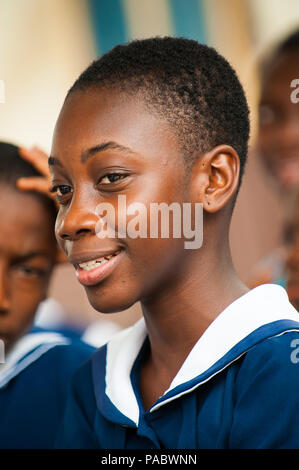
x=75, y=223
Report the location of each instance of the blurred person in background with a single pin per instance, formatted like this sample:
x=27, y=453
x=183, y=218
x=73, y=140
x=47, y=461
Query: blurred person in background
x=278, y=147
x=292, y=260
x=278, y=136
x=34, y=379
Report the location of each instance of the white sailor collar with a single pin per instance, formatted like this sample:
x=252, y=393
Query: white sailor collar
x=263, y=312
x=27, y=350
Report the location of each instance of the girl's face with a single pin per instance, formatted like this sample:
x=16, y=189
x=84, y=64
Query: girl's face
x=106, y=145
x=27, y=254
x=278, y=139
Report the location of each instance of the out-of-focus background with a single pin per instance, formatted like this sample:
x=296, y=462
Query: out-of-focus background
x=45, y=44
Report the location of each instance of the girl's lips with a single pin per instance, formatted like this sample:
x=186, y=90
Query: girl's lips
x=99, y=273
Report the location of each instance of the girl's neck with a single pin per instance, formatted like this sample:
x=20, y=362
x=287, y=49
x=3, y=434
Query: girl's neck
x=177, y=316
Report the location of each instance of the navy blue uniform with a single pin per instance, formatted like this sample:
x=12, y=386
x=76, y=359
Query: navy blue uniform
x=34, y=383
x=228, y=393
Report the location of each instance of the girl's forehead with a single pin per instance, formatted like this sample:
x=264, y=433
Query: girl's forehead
x=93, y=117
x=90, y=104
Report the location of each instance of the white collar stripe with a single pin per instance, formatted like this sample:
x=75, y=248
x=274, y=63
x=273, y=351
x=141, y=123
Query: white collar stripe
x=30, y=348
x=121, y=357
x=263, y=305
x=233, y=355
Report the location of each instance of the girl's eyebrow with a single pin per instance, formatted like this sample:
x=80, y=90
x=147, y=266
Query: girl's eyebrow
x=86, y=154
x=105, y=146
x=53, y=161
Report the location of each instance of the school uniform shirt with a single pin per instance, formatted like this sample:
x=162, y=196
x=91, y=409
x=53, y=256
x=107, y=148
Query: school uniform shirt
x=34, y=382
x=238, y=388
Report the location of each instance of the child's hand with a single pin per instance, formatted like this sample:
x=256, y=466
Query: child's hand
x=39, y=159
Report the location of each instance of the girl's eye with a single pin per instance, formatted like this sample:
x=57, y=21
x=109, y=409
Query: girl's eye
x=111, y=178
x=61, y=191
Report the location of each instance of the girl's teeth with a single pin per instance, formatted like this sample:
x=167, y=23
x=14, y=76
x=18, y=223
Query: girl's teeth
x=89, y=265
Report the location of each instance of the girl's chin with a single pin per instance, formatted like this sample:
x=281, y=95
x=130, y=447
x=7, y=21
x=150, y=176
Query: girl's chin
x=111, y=303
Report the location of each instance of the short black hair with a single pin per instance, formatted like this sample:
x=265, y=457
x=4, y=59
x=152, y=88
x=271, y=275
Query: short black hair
x=13, y=167
x=289, y=44
x=186, y=83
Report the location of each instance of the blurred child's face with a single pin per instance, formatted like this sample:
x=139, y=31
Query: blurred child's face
x=145, y=165
x=292, y=264
x=278, y=140
x=27, y=251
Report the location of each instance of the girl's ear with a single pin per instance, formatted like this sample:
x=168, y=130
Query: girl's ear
x=215, y=177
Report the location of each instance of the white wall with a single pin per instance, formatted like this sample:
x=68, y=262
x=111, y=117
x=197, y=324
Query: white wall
x=271, y=19
x=45, y=44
